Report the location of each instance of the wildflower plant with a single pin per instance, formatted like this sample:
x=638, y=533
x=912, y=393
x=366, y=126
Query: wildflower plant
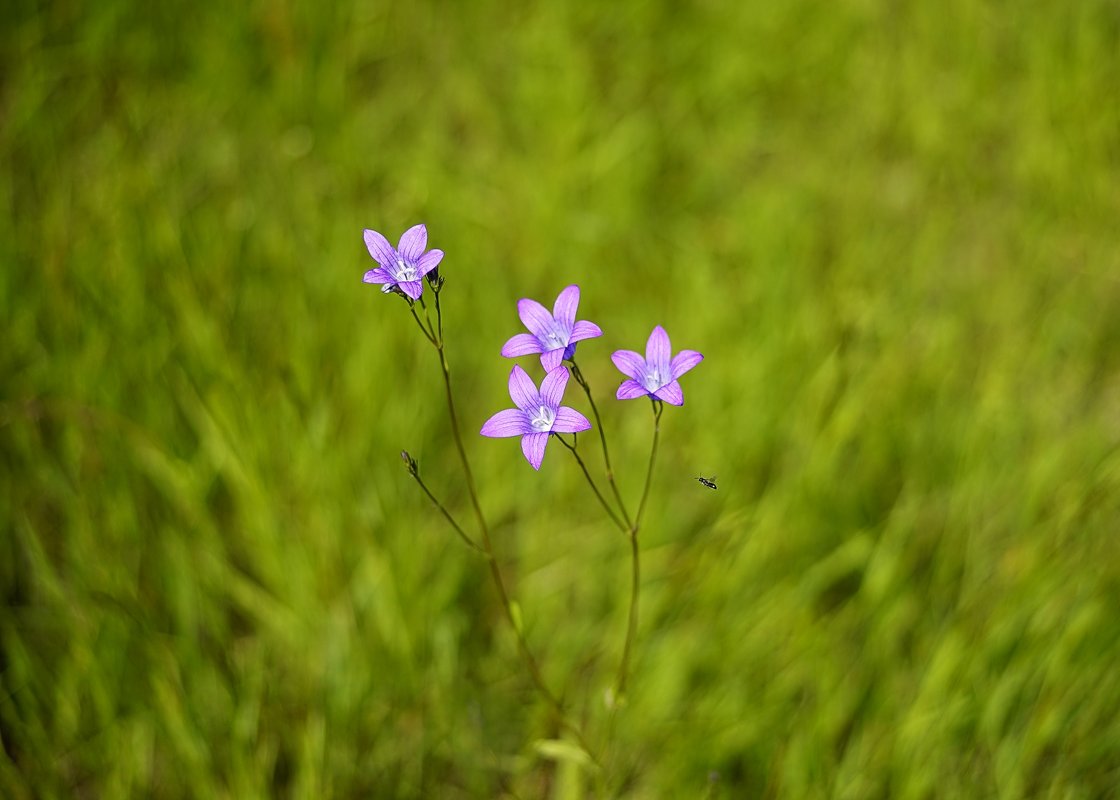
x=536, y=418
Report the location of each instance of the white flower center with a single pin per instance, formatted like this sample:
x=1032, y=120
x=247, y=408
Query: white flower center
x=543, y=420
x=405, y=271
x=555, y=338
x=653, y=380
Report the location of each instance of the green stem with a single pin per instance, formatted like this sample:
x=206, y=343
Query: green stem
x=578, y=375
x=447, y=515
x=635, y=570
x=594, y=488
x=427, y=332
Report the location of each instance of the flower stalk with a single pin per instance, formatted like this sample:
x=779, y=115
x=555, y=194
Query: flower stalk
x=414, y=470
x=635, y=563
x=602, y=501
x=582, y=381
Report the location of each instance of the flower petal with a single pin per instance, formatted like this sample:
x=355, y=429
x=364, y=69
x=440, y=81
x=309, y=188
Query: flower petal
x=412, y=288
x=671, y=393
x=551, y=359
x=534, y=316
x=684, y=361
x=522, y=344
x=553, y=386
x=379, y=275
x=379, y=247
x=658, y=351
x=566, y=304
x=523, y=391
x=584, y=330
x=413, y=242
x=532, y=445
x=507, y=422
x=629, y=363
x=429, y=261
x=568, y=420
x=630, y=389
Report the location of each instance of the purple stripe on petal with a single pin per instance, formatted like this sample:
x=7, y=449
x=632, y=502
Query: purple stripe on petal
x=629, y=363
x=671, y=393
x=379, y=247
x=584, y=330
x=429, y=261
x=413, y=242
x=522, y=344
x=507, y=422
x=568, y=420
x=684, y=361
x=658, y=351
x=551, y=360
x=379, y=275
x=630, y=389
x=535, y=317
x=532, y=445
x=564, y=310
x=553, y=386
x=523, y=391
x=412, y=288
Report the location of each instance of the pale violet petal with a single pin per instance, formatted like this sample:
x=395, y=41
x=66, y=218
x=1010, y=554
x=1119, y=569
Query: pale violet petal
x=568, y=420
x=535, y=317
x=523, y=391
x=521, y=344
x=584, y=330
x=630, y=389
x=658, y=351
x=412, y=288
x=553, y=386
x=564, y=310
x=532, y=445
x=684, y=361
x=379, y=275
x=429, y=261
x=379, y=247
x=508, y=422
x=671, y=393
x=551, y=360
x=413, y=242
x=629, y=363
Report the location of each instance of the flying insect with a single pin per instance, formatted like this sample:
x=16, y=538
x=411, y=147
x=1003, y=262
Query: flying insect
x=709, y=482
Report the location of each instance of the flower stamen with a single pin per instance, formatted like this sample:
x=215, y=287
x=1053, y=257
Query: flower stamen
x=542, y=422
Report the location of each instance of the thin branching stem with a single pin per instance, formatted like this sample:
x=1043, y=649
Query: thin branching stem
x=447, y=515
x=582, y=381
x=635, y=565
x=427, y=332
x=602, y=500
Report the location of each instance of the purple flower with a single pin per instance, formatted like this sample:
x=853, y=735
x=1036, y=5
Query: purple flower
x=538, y=414
x=403, y=267
x=553, y=335
x=655, y=375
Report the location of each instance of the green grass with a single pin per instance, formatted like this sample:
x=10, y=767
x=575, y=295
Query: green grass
x=892, y=229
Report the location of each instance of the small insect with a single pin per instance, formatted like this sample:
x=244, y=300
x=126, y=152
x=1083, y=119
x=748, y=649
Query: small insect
x=709, y=482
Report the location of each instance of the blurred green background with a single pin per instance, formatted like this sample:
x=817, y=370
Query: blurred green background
x=892, y=227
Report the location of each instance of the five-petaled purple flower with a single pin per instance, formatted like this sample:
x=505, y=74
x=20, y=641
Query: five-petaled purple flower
x=538, y=414
x=553, y=335
x=404, y=266
x=655, y=375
